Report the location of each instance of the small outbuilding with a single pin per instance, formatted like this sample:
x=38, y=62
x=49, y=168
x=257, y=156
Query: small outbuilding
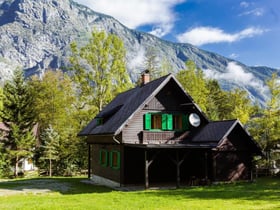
x=155, y=134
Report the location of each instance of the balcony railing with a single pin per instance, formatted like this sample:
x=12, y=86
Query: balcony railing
x=163, y=137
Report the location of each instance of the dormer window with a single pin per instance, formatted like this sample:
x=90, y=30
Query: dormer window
x=99, y=121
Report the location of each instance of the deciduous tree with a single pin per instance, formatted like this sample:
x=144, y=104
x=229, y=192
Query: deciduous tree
x=99, y=71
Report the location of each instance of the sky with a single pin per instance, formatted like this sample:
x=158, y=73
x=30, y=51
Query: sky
x=246, y=31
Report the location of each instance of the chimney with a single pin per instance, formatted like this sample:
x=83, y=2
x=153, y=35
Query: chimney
x=145, y=77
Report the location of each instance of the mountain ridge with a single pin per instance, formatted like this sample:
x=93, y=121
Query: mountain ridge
x=36, y=35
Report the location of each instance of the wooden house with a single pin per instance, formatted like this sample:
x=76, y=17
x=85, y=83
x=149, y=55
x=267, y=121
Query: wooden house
x=156, y=134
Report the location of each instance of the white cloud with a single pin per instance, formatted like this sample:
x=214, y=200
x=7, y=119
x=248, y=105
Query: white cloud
x=135, y=13
x=255, y=12
x=244, y=4
x=206, y=35
x=237, y=74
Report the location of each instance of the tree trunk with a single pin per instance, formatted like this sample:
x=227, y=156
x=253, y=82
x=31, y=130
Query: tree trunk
x=16, y=167
x=50, y=167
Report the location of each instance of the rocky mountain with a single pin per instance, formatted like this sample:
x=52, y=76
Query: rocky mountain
x=35, y=36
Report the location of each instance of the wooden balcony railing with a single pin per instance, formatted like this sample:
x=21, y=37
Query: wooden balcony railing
x=163, y=137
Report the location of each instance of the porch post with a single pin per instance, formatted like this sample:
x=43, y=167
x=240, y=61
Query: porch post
x=89, y=160
x=206, y=166
x=178, y=163
x=178, y=170
x=146, y=171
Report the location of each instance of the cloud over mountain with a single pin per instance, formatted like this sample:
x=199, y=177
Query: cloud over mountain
x=135, y=13
x=206, y=35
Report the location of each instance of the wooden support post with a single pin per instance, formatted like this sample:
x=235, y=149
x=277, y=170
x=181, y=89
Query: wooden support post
x=178, y=163
x=89, y=160
x=147, y=164
x=214, y=166
x=206, y=166
x=178, y=170
x=146, y=170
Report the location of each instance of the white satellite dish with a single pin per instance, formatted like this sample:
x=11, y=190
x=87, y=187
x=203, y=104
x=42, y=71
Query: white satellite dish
x=194, y=120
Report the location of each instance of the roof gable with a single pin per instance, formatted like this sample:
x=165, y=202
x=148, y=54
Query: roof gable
x=121, y=109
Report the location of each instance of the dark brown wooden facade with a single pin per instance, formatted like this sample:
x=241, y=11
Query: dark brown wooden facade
x=146, y=137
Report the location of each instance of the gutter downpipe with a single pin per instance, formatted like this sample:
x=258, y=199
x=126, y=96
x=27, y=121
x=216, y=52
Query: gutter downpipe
x=117, y=141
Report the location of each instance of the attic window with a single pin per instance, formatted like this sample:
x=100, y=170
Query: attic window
x=99, y=121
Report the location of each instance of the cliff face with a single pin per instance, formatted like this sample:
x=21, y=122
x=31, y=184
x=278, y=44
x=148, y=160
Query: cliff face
x=35, y=35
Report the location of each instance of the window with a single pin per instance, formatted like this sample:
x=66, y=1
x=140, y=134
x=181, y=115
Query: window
x=115, y=159
x=156, y=121
x=177, y=122
x=180, y=122
x=164, y=121
x=103, y=157
x=99, y=121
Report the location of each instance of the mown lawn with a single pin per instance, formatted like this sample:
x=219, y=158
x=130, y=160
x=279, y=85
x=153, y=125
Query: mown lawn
x=71, y=193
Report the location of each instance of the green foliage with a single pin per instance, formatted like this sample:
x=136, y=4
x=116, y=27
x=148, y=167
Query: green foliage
x=19, y=117
x=50, y=144
x=55, y=98
x=241, y=106
x=1, y=99
x=215, y=102
x=99, y=71
x=265, y=127
x=193, y=81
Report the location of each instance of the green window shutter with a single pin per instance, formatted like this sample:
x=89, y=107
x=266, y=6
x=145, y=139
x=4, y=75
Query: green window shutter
x=164, y=121
x=103, y=157
x=115, y=159
x=167, y=122
x=148, y=121
x=185, y=119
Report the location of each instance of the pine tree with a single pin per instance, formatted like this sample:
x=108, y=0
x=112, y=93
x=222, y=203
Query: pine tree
x=19, y=117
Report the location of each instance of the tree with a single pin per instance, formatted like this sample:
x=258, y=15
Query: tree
x=99, y=71
x=217, y=101
x=1, y=99
x=19, y=117
x=240, y=105
x=50, y=146
x=265, y=127
x=55, y=98
x=193, y=81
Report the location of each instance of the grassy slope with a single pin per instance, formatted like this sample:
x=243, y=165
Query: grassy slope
x=264, y=194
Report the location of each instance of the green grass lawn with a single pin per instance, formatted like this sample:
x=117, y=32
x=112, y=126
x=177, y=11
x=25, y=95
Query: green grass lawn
x=71, y=193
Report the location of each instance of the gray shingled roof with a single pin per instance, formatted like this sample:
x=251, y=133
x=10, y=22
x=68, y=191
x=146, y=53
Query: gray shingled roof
x=213, y=131
x=120, y=109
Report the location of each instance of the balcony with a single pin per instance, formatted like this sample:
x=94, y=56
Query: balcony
x=163, y=137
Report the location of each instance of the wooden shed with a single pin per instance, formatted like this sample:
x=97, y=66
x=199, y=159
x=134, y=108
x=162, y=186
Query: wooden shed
x=156, y=134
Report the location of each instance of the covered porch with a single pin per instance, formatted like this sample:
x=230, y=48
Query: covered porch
x=176, y=165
